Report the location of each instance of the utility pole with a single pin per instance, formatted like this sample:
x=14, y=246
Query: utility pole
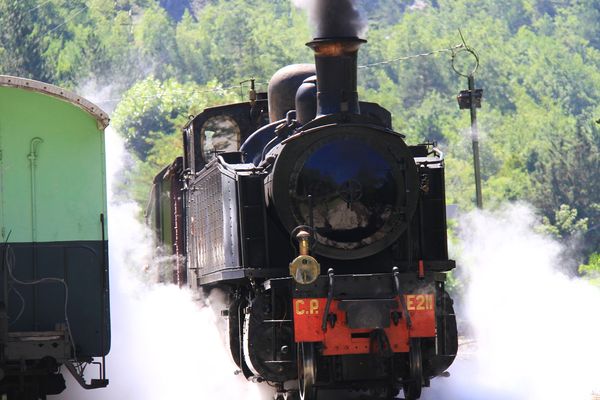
x=470, y=99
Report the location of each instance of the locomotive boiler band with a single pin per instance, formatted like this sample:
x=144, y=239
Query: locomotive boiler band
x=325, y=229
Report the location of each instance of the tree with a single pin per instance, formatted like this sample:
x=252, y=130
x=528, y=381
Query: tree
x=566, y=173
x=176, y=8
x=22, y=40
x=565, y=223
x=591, y=270
x=152, y=109
x=233, y=40
x=155, y=36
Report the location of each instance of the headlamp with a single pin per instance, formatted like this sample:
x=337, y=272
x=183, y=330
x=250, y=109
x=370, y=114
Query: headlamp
x=305, y=269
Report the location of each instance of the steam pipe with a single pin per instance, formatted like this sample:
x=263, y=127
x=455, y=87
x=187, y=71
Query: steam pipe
x=32, y=157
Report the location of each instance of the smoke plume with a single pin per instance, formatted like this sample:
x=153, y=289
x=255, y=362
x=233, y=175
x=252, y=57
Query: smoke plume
x=535, y=331
x=334, y=18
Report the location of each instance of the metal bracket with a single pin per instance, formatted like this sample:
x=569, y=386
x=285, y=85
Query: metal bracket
x=94, y=383
x=396, y=273
x=329, y=300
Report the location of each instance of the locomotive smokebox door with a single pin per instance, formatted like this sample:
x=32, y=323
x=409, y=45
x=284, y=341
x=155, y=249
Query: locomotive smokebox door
x=357, y=184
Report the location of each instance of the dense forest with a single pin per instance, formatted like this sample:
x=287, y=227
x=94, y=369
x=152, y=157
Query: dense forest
x=157, y=62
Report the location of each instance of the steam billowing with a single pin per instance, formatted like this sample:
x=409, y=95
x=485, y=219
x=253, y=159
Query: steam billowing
x=535, y=330
x=334, y=18
x=165, y=345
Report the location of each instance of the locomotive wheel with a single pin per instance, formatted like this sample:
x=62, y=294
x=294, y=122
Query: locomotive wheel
x=307, y=371
x=412, y=389
x=385, y=393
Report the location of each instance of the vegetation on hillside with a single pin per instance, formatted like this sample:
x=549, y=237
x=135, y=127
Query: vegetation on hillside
x=540, y=71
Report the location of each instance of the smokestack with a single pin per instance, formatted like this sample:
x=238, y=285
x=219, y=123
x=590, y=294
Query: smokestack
x=337, y=25
x=335, y=61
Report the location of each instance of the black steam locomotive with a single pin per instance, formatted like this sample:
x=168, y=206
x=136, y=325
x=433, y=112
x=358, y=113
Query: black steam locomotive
x=326, y=231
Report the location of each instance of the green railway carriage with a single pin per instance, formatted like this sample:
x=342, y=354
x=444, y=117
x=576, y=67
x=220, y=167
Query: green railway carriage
x=54, y=305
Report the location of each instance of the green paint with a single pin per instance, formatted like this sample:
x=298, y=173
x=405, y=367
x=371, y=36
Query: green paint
x=55, y=190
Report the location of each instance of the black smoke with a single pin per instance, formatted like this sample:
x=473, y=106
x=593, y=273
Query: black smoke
x=334, y=18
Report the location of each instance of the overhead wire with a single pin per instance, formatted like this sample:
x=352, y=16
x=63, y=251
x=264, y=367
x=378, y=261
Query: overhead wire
x=67, y=20
x=38, y=6
x=215, y=90
x=79, y=11
x=451, y=49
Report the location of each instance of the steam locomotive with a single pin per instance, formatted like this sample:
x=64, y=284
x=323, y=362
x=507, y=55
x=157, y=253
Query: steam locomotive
x=324, y=229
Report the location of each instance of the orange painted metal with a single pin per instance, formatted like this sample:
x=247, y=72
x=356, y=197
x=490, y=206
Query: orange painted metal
x=339, y=340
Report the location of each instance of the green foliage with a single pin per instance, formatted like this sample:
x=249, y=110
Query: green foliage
x=152, y=109
x=232, y=40
x=22, y=42
x=565, y=223
x=66, y=42
x=155, y=37
x=540, y=72
x=162, y=153
x=565, y=171
x=591, y=270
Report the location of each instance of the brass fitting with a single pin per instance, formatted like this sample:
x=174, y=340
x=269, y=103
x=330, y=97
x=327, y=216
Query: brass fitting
x=303, y=241
x=305, y=268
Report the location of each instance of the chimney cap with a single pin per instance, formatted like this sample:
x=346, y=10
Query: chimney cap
x=342, y=39
x=335, y=46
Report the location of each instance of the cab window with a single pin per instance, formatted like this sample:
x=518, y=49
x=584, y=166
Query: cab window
x=219, y=134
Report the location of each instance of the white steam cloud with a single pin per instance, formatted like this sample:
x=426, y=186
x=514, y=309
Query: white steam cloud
x=165, y=345
x=536, y=331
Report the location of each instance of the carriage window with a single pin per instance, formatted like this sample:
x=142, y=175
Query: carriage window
x=219, y=134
